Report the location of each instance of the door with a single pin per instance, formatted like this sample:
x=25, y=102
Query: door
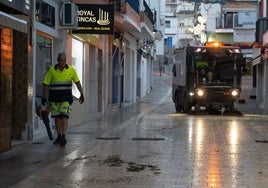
x=43, y=62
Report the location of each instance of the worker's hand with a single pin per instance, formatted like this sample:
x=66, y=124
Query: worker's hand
x=81, y=98
x=44, y=101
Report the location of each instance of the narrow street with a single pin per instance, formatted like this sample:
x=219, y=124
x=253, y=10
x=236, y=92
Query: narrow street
x=148, y=145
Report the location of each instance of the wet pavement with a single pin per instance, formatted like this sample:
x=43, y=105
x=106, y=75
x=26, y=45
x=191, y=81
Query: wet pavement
x=148, y=145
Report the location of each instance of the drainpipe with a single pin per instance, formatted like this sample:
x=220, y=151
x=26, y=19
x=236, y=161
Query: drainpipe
x=264, y=8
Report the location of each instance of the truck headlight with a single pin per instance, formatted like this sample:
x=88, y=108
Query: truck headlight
x=200, y=92
x=191, y=93
x=234, y=93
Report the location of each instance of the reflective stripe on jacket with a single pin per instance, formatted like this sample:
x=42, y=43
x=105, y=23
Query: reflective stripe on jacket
x=60, y=83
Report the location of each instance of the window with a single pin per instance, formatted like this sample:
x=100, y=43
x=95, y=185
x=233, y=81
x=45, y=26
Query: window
x=228, y=20
x=181, y=24
x=45, y=13
x=167, y=24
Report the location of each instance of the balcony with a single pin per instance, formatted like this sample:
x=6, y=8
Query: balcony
x=237, y=15
x=171, y=2
x=146, y=23
x=224, y=26
x=185, y=8
x=128, y=18
x=231, y=21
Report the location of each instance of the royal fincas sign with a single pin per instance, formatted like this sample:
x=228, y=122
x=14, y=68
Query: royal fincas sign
x=95, y=19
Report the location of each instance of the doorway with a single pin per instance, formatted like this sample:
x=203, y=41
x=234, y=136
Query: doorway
x=43, y=62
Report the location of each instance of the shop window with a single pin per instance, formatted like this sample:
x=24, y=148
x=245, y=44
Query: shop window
x=43, y=61
x=78, y=62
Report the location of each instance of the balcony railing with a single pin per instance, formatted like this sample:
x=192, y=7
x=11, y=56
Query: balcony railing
x=133, y=3
x=117, y=5
x=236, y=20
x=148, y=12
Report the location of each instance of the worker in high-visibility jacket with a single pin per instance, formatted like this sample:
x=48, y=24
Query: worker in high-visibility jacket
x=58, y=82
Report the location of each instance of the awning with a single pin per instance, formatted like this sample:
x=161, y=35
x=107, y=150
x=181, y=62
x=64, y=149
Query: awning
x=12, y=22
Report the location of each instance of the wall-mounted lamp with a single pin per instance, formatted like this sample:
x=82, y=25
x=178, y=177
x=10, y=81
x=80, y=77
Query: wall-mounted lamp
x=147, y=47
x=157, y=35
x=116, y=42
x=117, y=39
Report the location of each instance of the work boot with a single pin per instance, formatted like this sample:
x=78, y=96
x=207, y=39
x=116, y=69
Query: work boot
x=63, y=142
x=58, y=140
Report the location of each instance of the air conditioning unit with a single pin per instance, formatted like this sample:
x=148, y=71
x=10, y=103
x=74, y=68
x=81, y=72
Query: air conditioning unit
x=69, y=15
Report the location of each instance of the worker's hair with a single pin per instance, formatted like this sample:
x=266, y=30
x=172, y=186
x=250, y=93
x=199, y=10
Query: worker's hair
x=61, y=54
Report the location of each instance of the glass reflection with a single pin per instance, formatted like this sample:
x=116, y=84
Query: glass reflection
x=77, y=163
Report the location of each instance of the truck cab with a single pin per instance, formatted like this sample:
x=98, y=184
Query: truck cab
x=208, y=76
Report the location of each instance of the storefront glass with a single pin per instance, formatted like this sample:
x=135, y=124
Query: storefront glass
x=43, y=62
x=77, y=62
x=6, y=68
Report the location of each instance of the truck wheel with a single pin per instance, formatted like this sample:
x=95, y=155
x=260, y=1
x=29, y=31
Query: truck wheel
x=232, y=108
x=186, y=105
x=177, y=106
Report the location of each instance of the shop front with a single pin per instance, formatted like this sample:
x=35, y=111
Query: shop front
x=14, y=69
x=48, y=41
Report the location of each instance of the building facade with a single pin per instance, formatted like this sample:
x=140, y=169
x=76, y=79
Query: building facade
x=198, y=22
x=260, y=57
x=114, y=59
x=15, y=70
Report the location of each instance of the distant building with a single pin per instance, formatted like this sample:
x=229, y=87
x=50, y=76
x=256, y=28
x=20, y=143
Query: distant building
x=196, y=22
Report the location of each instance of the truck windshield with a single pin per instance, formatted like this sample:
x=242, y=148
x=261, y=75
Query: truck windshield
x=216, y=67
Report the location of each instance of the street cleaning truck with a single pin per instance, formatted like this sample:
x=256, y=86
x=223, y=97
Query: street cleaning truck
x=207, y=76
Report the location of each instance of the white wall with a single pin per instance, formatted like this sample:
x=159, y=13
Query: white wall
x=210, y=12
x=159, y=6
x=143, y=76
x=90, y=109
x=130, y=71
x=173, y=26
